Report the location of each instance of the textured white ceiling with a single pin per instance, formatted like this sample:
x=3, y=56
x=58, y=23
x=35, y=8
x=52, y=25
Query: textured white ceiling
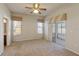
x=20, y=8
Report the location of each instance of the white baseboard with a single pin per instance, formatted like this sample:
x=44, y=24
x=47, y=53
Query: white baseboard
x=72, y=51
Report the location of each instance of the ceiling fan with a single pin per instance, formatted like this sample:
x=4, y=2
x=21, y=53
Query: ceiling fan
x=36, y=8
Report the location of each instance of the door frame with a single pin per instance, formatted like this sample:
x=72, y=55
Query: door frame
x=5, y=20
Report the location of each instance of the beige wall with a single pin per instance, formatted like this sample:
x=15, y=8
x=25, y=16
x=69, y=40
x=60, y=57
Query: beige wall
x=72, y=28
x=4, y=12
x=29, y=28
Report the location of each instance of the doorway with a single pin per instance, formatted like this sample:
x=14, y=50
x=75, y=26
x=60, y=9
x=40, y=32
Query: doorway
x=5, y=22
x=59, y=31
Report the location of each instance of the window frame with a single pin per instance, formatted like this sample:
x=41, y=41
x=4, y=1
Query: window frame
x=17, y=27
x=40, y=27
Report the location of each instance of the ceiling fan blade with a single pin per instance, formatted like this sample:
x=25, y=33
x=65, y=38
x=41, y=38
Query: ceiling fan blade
x=43, y=9
x=39, y=12
x=29, y=7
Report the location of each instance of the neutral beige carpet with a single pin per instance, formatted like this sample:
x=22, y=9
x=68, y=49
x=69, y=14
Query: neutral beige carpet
x=36, y=48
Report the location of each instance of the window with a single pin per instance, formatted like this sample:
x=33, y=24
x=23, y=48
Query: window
x=40, y=27
x=61, y=27
x=16, y=27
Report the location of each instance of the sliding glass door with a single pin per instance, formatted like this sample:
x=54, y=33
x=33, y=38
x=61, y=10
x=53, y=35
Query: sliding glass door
x=59, y=31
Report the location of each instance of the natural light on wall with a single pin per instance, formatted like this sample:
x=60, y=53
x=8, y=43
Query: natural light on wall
x=4, y=20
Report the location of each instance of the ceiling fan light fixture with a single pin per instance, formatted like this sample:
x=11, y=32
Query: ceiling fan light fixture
x=36, y=8
x=36, y=11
